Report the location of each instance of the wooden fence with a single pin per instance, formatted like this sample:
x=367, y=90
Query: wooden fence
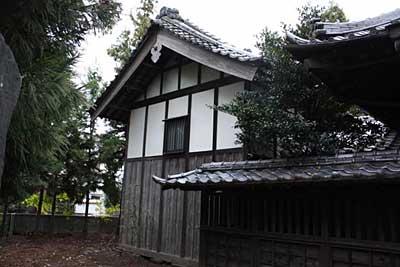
x=26, y=223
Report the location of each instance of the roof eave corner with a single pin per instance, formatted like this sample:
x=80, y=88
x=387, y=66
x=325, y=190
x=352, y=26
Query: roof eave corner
x=159, y=180
x=109, y=92
x=296, y=40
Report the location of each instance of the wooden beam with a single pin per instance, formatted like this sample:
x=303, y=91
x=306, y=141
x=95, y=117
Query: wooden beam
x=205, y=57
x=159, y=256
x=145, y=49
x=152, y=66
x=312, y=64
x=186, y=91
x=119, y=108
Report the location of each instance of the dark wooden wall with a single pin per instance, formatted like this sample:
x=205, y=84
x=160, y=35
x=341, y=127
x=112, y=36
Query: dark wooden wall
x=164, y=224
x=329, y=226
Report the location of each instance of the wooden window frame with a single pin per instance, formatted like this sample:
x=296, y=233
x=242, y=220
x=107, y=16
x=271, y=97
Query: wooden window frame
x=185, y=135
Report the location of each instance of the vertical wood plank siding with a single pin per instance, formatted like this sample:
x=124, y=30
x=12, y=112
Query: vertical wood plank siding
x=167, y=222
x=303, y=226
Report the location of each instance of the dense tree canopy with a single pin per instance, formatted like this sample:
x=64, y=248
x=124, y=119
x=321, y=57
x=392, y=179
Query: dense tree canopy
x=112, y=143
x=44, y=36
x=290, y=113
x=129, y=39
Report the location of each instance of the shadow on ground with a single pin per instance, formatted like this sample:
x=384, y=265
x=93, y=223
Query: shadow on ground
x=67, y=251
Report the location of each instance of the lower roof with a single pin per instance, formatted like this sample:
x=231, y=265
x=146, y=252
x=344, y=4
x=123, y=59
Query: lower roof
x=365, y=166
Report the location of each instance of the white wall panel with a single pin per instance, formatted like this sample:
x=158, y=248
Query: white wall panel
x=189, y=75
x=136, y=132
x=226, y=133
x=170, y=82
x=201, y=122
x=178, y=107
x=154, y=87
x=209, y=74
x=155, y=129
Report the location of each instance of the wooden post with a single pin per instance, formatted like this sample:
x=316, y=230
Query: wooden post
x=39, y=210
x=53, y=208
x=203, y=233
x=5, y=211
x=325, y=250
x=85, y=224
x=11, y=224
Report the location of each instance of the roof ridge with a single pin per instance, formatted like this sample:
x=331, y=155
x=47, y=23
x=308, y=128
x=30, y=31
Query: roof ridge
x=359, y=25
x=328, y=32
x=184, y=27
x=169, y=12
x=375, y=156
x=194, y=29
x=171, y=16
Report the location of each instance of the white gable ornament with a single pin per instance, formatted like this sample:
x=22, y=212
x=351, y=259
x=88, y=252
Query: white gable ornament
x=156, y=52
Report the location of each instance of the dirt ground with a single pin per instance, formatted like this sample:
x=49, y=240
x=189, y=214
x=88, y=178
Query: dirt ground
x=67, y=251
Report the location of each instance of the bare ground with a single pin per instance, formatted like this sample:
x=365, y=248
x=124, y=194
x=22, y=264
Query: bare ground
x=67, y=251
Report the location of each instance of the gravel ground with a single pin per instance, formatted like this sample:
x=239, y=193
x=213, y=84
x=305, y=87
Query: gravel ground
x=66, y=251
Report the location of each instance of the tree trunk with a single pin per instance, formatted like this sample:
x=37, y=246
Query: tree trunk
x=39, y=210
x=85, y=225
x=53, y=210
x=5, y=211
x=10, y=85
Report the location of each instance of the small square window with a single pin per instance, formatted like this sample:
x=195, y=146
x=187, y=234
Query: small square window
x=175, y=135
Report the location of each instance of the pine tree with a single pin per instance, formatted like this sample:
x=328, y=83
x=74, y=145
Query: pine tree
x=289, y=113
x=129, y=39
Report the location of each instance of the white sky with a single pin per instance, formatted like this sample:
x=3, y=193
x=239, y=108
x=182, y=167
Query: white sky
x=236, y=22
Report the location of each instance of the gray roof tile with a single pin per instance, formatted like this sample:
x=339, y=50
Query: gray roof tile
x=326, y=32
x=361, y=166
x=170, y=20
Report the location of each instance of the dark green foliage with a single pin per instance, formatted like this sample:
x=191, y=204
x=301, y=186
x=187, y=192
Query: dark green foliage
x=81, y=169
x=93, y=160
x=309, y=13
x=113, y=142
x=292, y=114
x=129, y=39
x=112, y=146
x=44, y=36
x=31, y=27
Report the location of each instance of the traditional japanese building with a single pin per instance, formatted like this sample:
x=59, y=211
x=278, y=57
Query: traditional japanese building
x=165, y=94
x=324, y=211
x=359, y=61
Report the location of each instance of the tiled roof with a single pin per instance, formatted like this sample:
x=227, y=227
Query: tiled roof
x=170, y=20
x=362, y=166
x=326, y=32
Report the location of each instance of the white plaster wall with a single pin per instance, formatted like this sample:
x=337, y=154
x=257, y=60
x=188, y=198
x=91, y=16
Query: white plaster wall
x=226, y=133
x=136, y=133
x=189, y=75
x=208, y=74
x=201, y=122
x=155, y=129
x=170, y=82
x=178, y=107
x=154, y=87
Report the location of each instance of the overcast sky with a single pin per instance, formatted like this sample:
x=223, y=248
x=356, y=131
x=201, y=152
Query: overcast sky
x=234, y=21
